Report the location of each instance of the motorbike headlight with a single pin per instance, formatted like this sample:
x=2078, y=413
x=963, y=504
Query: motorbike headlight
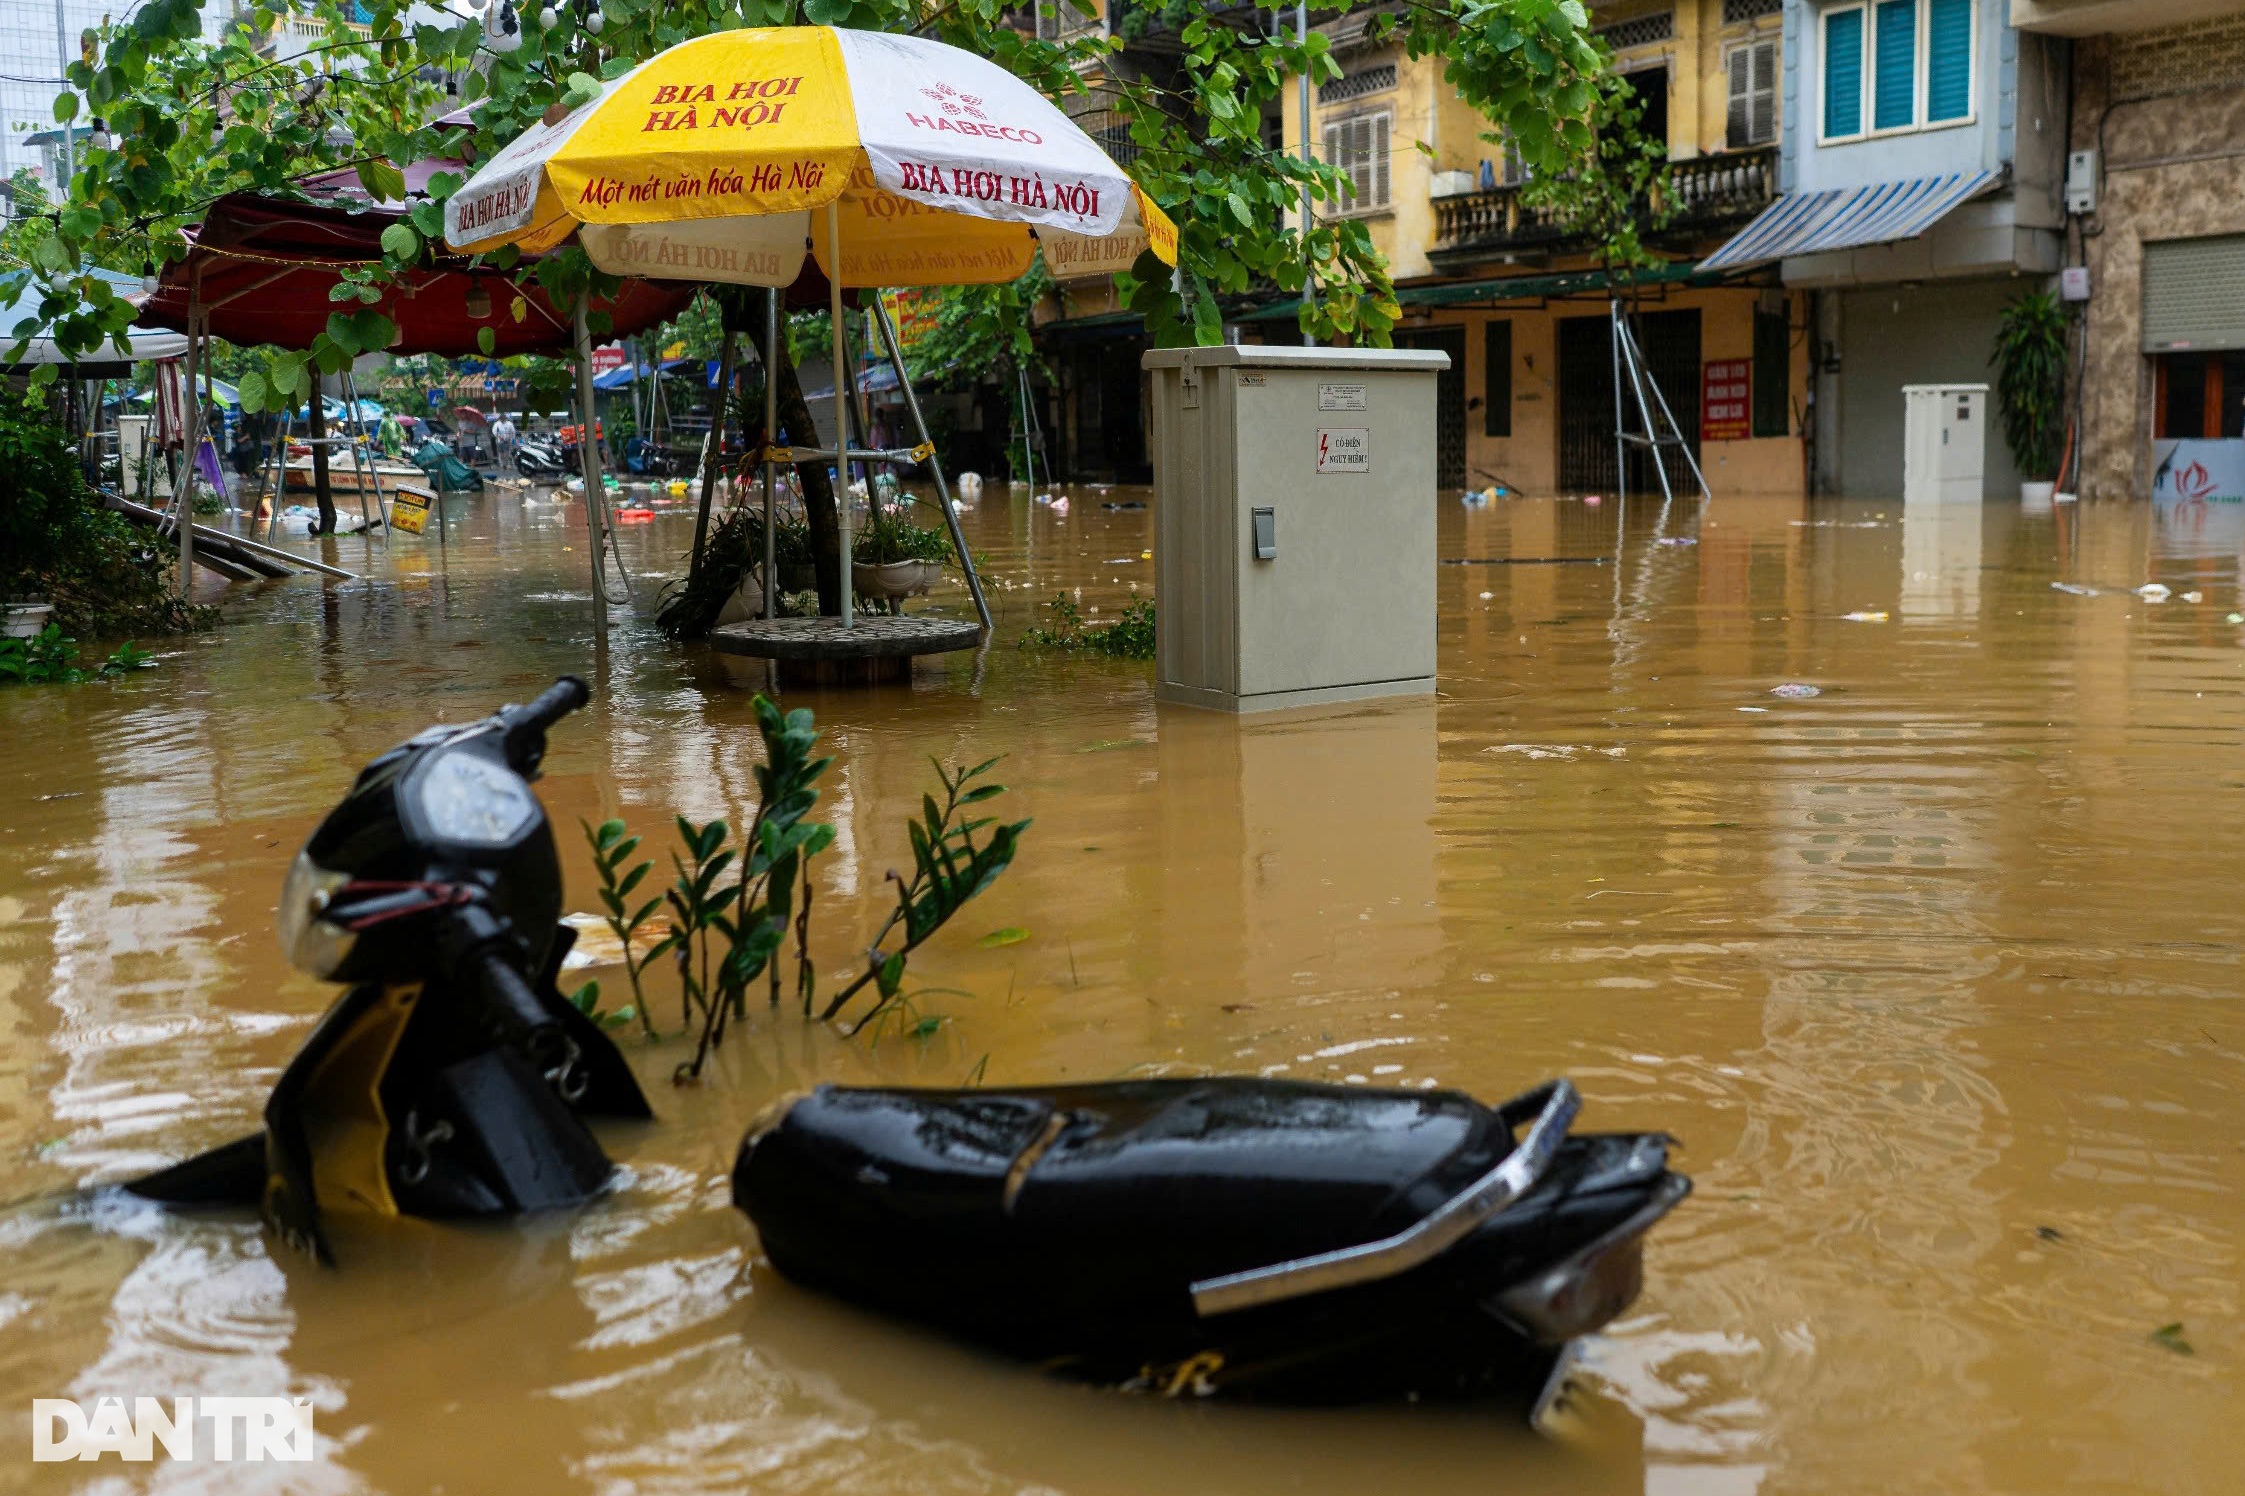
x=313, y=944
x=470, y=800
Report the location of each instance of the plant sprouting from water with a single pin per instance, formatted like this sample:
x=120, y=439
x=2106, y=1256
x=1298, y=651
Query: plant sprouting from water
x=50, y=658
x=611, y=849
x=948, y=868
x=1130, y=637
x=735, y=905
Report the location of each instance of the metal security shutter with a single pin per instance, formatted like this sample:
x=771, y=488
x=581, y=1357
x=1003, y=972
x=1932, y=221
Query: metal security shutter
x=2194, y=294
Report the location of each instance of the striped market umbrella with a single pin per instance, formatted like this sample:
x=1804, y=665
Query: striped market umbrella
x=706, y=162
x=929, y=166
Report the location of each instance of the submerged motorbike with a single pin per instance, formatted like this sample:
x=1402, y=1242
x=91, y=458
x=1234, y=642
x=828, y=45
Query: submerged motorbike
x=1257, y=1237
x=452, y=1078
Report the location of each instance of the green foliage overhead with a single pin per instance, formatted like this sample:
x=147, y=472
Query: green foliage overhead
x=189, y=119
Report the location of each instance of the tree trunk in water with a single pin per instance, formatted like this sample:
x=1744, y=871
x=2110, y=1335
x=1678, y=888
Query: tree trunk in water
x=321, y=492
x=798, y=430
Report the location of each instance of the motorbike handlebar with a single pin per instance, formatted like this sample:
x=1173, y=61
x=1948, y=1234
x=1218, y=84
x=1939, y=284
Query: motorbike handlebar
x=526, y=725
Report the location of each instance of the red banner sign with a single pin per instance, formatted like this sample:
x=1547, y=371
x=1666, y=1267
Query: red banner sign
x=610, y=358
x=1725, y=404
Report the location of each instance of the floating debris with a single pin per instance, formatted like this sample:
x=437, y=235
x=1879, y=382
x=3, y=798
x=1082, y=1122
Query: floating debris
x=2075, y=588
x=2170, y=1337
x=2194, y=597
x=1794, y=690
x=1555, y=750
x=1865, y=615
x=1675, y=540
x=2154, y=592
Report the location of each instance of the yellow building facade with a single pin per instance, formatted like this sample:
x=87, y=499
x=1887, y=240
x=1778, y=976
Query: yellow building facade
x=1516, y=300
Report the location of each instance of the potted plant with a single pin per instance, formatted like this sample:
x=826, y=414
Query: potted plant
x=894, y=558
x=24, y=617
x=2030, y=365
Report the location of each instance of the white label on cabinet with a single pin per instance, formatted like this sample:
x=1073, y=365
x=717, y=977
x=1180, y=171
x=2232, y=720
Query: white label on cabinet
x=1344, y=449
x=1342, y=397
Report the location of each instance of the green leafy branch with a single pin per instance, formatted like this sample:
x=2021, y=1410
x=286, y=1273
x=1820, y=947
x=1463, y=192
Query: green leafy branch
x=611, y=849
x=948, y=869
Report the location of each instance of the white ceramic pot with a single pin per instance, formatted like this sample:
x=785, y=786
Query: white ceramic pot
x=25, y=620
x=2034, y=498
x=746, y=602
x=894, y=578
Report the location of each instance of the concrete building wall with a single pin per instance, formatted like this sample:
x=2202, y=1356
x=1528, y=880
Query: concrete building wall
x=2166, y=111
x=1937, y=332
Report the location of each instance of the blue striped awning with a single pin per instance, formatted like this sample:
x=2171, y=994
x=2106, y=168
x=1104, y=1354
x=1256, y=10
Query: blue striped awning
x=1807, y=223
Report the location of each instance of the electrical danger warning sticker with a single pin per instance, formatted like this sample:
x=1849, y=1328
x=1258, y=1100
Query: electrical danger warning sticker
x=1344, y=449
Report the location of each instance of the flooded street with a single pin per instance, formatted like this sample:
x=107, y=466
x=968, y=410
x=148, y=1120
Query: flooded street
x=1935, y=973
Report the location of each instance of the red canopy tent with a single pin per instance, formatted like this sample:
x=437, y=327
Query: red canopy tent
x=259, y=269
x=266, y=264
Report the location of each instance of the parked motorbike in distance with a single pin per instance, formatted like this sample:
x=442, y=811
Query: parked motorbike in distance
x=1264, y=1238
x=542, y=460
x=451, y=1078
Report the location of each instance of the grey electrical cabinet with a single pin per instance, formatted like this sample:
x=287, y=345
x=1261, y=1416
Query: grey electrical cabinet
x=1294, y=524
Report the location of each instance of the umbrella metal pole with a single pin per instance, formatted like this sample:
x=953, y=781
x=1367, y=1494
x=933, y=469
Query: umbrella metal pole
x=277, y=484
x=771, y=434
x=845, y=390
x=588, y=461
x=712, y=458
x=1621, y=445
x=935, y=462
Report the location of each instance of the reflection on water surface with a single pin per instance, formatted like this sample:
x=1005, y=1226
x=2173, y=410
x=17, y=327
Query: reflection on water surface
x=1936, y=973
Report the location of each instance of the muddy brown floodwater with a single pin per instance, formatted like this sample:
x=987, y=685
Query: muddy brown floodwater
x=1936, y=974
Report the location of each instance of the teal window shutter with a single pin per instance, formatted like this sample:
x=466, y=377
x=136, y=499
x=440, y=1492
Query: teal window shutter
x=1948, y=49
x=1843, y=73
x=1894, y=83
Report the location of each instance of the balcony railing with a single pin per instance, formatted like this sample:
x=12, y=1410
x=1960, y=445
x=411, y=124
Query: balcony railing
x=1726, y=186
x=1710, y=191
x=1493, y=221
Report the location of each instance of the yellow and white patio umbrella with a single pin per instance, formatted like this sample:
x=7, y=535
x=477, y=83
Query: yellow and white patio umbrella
x=933, y=167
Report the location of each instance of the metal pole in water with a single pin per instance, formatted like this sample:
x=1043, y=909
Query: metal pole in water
x=588, y=462
x=771, y=434
x=935, y=463
x=713, y=449
x=844, y=391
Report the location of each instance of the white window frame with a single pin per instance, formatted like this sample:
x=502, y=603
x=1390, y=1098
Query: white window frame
x=1921, y=62
x=1360, y=205
x=1777, y=90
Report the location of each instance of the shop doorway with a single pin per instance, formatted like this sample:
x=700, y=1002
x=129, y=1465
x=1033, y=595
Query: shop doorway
x=1107, y=425
x=1670, y=342
x=1449, y=401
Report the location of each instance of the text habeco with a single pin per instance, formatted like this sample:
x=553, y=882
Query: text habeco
x=677, y=106
x=1079, y=198
x=971, y=127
